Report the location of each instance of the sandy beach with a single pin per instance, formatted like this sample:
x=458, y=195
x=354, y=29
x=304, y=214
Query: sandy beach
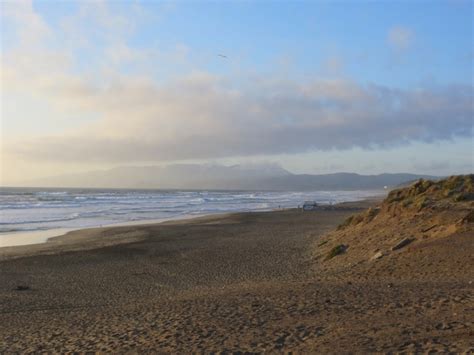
x=239, y=282
x=236, y=177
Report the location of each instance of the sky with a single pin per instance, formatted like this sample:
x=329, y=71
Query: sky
x=315, y=86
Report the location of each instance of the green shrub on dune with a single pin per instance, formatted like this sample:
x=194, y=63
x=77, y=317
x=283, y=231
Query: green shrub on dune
x=337, y=250
x=423, y=192
x=418, y=196
x=346, y=223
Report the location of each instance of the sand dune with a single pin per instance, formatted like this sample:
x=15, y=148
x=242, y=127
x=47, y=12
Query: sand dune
x=248, y=282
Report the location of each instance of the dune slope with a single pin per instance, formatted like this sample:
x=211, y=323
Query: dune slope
x=418, y=232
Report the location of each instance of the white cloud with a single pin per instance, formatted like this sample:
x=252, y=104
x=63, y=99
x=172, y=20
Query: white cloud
x=31, y=28
x=199, y=115
x=204, y=116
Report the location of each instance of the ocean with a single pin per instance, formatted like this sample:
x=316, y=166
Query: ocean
x=39, y=209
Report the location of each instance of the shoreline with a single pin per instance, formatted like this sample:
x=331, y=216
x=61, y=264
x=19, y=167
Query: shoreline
x=21, y=238
x=92, y=238
x=88, y=238
x=25, y=238
x=29, y=238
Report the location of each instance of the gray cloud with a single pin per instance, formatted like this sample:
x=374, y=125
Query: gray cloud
x=138, y=118
x=203, y=116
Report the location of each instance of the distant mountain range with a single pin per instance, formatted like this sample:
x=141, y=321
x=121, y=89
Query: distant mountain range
x=217, y=177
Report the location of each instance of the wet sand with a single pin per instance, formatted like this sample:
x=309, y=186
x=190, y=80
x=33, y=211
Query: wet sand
x=240, y=282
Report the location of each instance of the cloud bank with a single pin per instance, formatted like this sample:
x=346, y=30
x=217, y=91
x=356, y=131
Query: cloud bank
x=200, y=115
x=203, y=116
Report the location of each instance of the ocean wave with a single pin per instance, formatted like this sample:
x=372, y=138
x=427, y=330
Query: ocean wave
x=45, y=220
x=20, y=229
x=32, y=210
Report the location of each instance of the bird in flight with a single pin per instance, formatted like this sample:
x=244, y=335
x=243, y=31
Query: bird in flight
x=222, y=56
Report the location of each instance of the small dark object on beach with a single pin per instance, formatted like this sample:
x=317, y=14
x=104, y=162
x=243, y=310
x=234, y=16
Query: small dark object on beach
x=402, y=243
x=339, y=249
x=22, y=288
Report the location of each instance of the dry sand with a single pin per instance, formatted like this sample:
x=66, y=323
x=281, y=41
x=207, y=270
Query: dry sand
x=245, y=282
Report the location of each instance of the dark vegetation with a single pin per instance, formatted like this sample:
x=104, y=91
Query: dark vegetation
x=420, y=195
x=337, y=250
